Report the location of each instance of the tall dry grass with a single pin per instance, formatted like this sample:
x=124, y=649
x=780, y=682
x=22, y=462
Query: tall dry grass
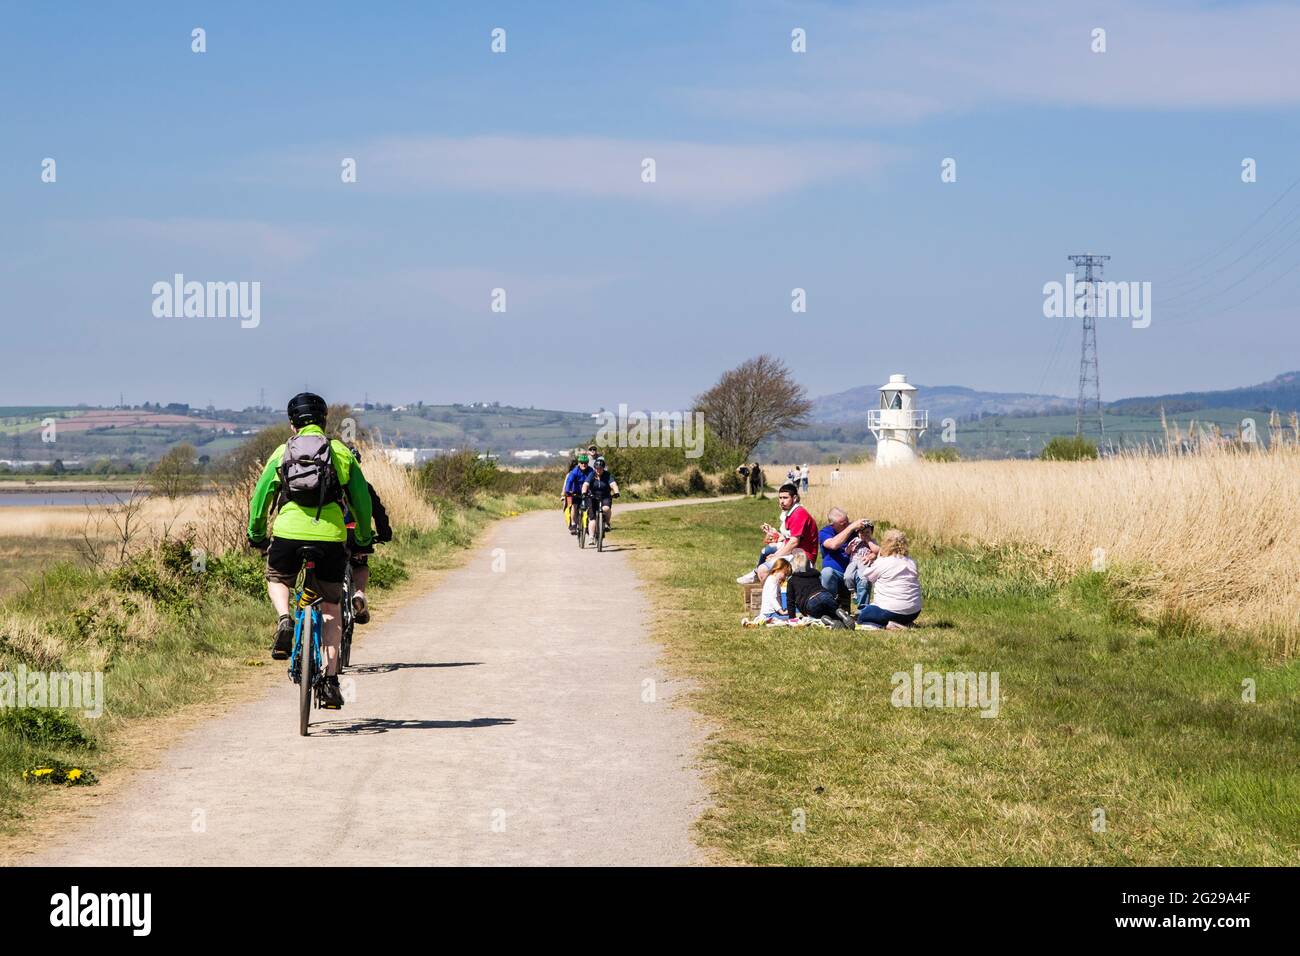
x=399, y=489
x=69, y=521
x=223, y=523
x=1208, y=537
x=217, y=519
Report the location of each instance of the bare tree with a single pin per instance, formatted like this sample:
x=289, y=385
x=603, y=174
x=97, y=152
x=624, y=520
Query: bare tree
x=126, y=517
x=753, y=401
x=176, y=474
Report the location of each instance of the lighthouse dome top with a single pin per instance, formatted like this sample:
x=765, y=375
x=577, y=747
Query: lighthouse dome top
x=897, y=383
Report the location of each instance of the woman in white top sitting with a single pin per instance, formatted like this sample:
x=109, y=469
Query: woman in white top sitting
x=896, y=598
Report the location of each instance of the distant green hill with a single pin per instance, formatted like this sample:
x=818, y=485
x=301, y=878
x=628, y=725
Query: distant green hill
x=1281, y=393
x=1002, y=425
x=942, y=401
x=984, y=424
x=1001, y=436
x=501, y=429
x=488, y=427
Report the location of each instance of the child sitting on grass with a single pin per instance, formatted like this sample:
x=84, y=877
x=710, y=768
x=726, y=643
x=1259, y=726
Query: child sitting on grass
x=770, y=612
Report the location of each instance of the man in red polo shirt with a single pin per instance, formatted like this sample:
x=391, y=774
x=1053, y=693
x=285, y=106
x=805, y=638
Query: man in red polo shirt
x=798, y=530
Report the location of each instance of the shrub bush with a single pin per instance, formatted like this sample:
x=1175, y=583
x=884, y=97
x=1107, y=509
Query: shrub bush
x=44, y=726
x=387, y=572
x=1073, y=448
x=459, y=476
x=946, y=453
x=152, y=575
x=240, y=572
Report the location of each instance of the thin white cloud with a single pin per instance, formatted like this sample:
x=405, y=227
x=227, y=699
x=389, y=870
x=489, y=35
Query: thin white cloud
x=470, y=288
x=905, y=65
x=255, y=239
x=606, y=168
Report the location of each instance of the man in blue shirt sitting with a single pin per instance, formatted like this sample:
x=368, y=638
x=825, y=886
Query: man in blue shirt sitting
x=840, y=540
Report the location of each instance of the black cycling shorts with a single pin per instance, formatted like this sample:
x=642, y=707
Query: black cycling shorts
x=284, y=559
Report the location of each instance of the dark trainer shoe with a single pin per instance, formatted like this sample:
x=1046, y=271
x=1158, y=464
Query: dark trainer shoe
x=283, y=639
x=331, y=698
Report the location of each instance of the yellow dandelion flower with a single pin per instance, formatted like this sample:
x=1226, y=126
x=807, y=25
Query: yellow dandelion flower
x=43, y=772
x=74, y=774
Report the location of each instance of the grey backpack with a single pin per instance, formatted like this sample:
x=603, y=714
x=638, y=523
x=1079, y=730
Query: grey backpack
x=307, y=475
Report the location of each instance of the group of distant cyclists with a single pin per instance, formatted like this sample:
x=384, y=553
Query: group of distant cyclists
x=321, y=501
x=589, y=489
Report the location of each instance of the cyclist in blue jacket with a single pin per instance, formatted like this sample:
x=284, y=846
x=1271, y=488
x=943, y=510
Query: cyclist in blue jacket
x=573, y=482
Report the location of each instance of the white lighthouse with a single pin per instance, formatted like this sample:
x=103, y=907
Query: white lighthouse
x=896, y=423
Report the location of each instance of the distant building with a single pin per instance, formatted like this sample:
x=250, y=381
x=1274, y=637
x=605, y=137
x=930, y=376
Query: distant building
x=414, y=456
x=71, y=464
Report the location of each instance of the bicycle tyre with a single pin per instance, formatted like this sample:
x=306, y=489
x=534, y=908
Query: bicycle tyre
x=306, y=673
x=582, y=528
x=346, y=619
x=600, y=529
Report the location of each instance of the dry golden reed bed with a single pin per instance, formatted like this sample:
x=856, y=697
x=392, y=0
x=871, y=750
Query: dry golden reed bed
x=1209, y=537
x=219, y=518
x=69, y=521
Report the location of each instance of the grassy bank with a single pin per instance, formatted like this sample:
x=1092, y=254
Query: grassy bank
x=166, y=636
x=1098, y=712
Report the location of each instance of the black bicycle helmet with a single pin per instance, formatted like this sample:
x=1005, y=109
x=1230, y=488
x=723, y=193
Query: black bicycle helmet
x=307, y=408
x=599, y=462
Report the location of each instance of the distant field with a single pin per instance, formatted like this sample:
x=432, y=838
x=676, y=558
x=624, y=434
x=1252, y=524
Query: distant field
x=500, y=429
x=22, y=559
x=26, y=411
x=81, y=420
x=90, y=434
x=1002, y=436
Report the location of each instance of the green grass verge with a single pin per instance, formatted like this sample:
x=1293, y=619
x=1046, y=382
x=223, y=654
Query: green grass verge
x=164, y=637
x=812, y=764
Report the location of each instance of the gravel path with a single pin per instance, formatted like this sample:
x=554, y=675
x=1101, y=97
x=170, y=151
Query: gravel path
x=514, y=714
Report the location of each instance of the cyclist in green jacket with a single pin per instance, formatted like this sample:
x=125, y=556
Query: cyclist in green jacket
x=309, y=479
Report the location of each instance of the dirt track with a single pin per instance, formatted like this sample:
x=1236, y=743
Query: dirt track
x=498, y=719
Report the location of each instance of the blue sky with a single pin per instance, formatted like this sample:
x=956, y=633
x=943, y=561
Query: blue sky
x=521, y=170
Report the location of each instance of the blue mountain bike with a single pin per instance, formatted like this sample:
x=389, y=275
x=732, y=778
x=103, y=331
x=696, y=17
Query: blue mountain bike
x=306, y=667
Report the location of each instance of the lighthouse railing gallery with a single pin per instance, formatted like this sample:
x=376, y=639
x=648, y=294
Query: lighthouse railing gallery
x=881, y=418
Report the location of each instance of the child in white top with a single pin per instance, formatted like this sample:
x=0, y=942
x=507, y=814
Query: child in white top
x=771, y=612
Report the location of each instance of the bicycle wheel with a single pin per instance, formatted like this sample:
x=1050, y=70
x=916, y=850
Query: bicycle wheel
x=582, y=528
x=346, y=619
x=306, y=671
x=600, y=529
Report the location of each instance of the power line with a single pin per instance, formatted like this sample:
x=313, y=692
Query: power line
x=1051, y=361
x=1206, y=301
x=1195, y=267
x=1209, y=276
